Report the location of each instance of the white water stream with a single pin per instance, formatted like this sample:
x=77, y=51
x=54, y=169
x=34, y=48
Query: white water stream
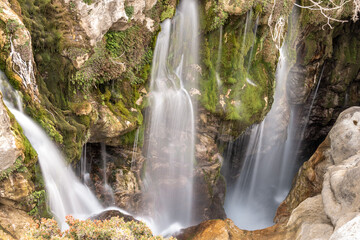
x=251, y=203
x=171, y=121
x=66, y=194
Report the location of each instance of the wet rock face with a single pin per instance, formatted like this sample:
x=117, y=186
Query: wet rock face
x=209, y=184
x=328, y=58
x=19, y=60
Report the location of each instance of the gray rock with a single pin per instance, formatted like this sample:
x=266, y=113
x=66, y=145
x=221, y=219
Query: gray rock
x=345, y=135
x=8, y=149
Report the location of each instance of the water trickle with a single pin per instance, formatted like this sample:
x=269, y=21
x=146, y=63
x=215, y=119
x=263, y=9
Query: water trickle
x=107, y=188
x=25, y=69
x=171, y=120
x=84, y=168
x=218, y=60
x=133, y=159
x=252, y=45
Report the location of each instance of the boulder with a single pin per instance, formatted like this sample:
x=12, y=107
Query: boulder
x=345, y=135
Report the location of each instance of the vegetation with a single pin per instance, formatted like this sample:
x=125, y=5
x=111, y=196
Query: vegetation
x=115, y=228
x=235, y=98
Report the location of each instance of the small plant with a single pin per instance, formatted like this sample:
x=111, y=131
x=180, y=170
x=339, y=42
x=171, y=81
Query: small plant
x=88, y=2
x=12, y=25
x=129, y=10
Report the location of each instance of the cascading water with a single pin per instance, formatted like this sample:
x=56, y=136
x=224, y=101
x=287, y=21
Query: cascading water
x=171, y=124
x=251, y=202
x=66, y=194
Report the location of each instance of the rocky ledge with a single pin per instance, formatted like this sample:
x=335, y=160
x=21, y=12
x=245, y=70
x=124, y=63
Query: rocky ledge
x=324, y=201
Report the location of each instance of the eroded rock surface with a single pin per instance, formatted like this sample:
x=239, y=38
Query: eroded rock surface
x=19, y=58
x=8, y=150
x=101, y=15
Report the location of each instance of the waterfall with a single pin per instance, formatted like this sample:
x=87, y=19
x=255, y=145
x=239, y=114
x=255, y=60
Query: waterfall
x=66, y=194
x=171, y=121
x=251, y=202
x=292, y=145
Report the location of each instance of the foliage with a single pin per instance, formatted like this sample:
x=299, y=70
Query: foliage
x=215, y=16
x=99, y=69
x=128, y=47
x=89, y=2
x=129, y=10
x=167, y=13
x=115, y=228
x=38, y=200
x=235, y=98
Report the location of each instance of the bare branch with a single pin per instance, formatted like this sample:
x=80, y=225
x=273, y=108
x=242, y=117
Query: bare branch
x=327, y=9
x=277, y=33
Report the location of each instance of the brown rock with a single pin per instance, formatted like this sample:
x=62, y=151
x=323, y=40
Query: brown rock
x=14, y=221
x=106, y=215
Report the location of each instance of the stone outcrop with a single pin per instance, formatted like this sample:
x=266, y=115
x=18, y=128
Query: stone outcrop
x=15, y=184
x=107, y=126
x=8, y=149
x=18, y=59
x=101, y=15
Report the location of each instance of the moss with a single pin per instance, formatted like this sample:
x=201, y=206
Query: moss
x=240, y=60
x=167, y=13
x=88, y=2
x=213, y=17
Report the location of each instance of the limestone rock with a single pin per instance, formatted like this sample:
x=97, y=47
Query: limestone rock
x=20, y=62
x=350, y=230
x=16, y=188
x=107, y=215
x=97, y=18
x=108, y=126
x=341, y=190
x=345, y=135
x=8, y=150
x=209, y=184
x=310, y=220
x=14, y=221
